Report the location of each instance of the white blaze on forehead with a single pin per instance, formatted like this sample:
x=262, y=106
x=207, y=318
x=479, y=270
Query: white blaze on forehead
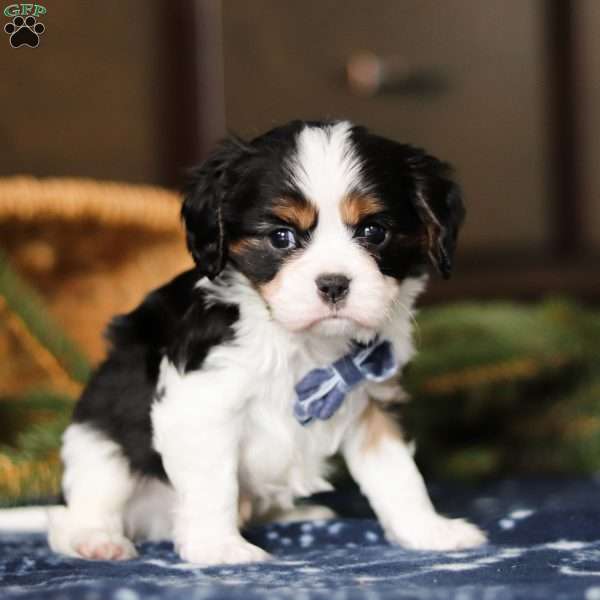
x=326, y=166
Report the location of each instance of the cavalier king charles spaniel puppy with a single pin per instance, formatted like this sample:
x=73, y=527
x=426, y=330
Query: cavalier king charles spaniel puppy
x=227, y=390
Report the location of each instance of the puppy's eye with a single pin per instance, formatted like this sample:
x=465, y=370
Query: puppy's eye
x=283, y=239
x=371, y=233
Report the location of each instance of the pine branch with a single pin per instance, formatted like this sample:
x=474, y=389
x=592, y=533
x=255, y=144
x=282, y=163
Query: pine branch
x=26, y=303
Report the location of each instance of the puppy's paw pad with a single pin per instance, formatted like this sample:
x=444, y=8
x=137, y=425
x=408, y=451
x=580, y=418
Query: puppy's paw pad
x=439, y=533
x=101, y=545
x=229, y=552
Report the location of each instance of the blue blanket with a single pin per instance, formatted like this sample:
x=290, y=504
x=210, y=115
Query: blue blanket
x=545, y=543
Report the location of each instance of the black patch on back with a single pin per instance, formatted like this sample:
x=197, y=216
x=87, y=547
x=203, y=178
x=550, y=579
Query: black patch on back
x=174, y=320
x=201, y=328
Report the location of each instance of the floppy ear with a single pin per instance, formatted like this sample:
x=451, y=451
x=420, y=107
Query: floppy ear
x=202, y=210
x=439, y=205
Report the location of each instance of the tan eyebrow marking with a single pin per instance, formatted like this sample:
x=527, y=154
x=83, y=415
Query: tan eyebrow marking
x=355, y=207
x=299, y=213
x=243, y=245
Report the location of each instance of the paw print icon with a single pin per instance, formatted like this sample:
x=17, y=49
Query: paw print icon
x=24, y=32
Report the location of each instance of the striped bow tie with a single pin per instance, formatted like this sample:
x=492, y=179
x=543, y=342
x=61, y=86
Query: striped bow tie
x=321, y=392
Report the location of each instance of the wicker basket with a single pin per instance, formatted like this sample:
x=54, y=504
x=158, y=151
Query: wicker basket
x=90, y=249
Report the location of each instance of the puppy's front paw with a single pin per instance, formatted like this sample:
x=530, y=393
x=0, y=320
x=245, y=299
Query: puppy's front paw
x=230, y=551
x=97, y=544
x=434, y=532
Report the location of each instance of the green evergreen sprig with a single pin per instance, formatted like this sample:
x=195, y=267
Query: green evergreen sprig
x=29, y=306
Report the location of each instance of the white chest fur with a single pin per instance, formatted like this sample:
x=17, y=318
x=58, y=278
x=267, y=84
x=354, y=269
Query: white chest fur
x=280, y=458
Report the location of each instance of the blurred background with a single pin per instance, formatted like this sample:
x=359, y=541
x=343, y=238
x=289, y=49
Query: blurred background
x=129, y=91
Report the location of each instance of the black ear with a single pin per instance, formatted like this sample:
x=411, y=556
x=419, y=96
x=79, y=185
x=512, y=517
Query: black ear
x=440, y=208
x=202, y=211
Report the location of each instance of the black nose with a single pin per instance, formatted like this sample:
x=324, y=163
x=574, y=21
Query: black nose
x=333, y=287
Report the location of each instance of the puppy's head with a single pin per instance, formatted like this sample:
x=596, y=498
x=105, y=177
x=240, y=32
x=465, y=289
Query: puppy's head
x=325, y=219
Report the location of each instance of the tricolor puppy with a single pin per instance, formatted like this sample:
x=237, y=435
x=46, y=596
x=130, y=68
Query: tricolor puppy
x=227, y=390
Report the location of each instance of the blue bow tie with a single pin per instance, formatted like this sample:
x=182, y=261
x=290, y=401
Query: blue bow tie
x=321, y=392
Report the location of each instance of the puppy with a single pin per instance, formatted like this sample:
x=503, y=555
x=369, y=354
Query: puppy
x=227, y=390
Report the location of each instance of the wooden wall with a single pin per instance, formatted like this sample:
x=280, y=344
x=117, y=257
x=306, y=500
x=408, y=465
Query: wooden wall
x=89, y=100
x=286, y=60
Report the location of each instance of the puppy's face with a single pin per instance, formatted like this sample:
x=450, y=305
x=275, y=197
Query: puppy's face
x=326, y=220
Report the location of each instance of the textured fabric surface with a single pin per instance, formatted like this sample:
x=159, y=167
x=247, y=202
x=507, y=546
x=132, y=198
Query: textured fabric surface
x=544, y=543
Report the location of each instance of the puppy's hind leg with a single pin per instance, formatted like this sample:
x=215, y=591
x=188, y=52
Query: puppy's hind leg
x=97, y=485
